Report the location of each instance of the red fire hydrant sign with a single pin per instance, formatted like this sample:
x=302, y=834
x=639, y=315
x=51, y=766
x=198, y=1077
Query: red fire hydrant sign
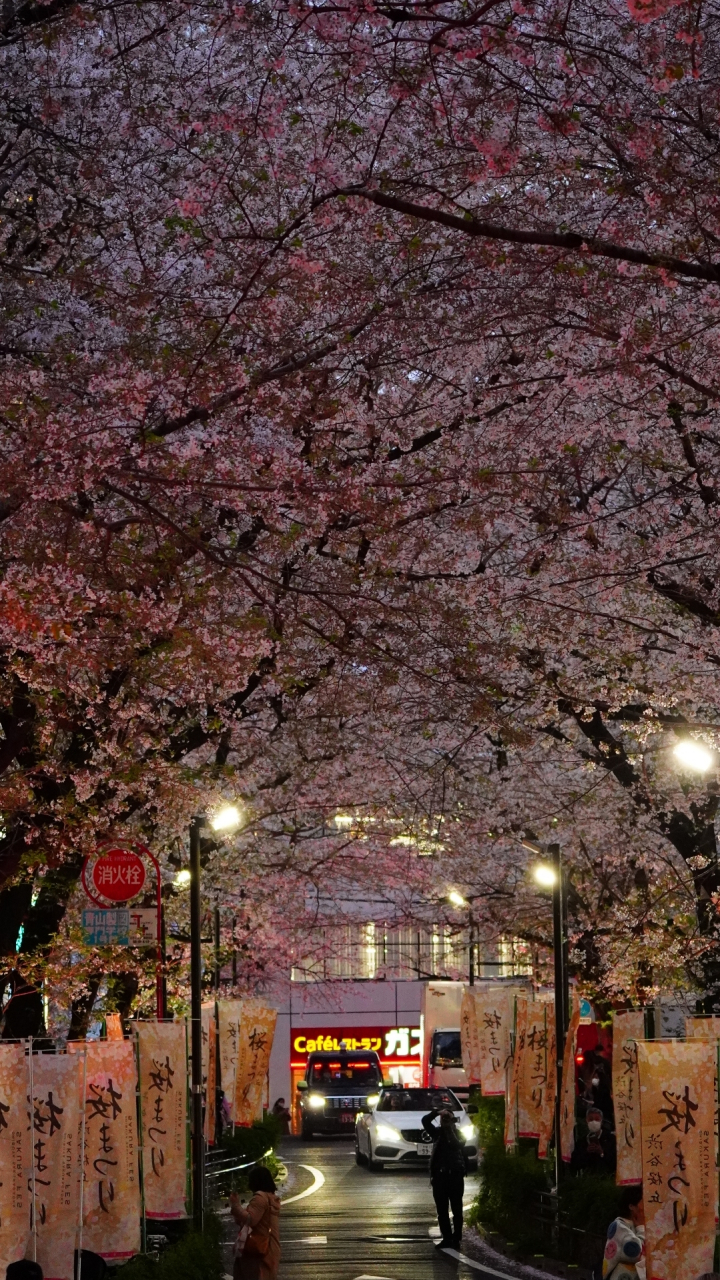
x=118, y=875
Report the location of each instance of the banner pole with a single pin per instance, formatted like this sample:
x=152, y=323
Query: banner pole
x=83, y=1109
x=32, y=1148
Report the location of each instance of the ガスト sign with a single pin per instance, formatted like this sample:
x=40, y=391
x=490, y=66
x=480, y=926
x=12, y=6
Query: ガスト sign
x=394, y=1044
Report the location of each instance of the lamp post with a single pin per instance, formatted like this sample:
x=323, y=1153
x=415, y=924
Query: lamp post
x=225, y=820
x=550, y=876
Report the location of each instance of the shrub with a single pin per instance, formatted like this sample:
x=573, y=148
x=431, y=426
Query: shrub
x=196, y=1256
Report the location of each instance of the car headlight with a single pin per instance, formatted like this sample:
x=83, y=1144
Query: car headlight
x=316, y=1101
x=373, y=1099
x=387, y=1134
x=467, y=1132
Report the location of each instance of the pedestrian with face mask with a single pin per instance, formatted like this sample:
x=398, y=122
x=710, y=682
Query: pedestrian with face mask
x=447, y=1175
x=595, y=1151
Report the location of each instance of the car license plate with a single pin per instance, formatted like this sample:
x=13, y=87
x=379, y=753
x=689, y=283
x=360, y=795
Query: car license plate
x=424, y=1148
x=347, y=1117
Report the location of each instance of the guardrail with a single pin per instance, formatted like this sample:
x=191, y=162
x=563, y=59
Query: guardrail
x=220, y=1165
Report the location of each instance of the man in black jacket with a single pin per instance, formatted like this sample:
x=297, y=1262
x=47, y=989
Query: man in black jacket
x=447, y=1174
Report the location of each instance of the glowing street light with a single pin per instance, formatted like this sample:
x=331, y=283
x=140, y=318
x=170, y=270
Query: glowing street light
x=456, y=898
x=545, y=875
x=182, y=879
x=226, y=819
x=693, y=755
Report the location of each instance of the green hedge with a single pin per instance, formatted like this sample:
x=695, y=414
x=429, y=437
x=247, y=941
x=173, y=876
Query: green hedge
x=252, y=1143
x=510, y=1181
x=196, y=1256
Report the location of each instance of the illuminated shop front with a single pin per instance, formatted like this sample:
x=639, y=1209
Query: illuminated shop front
x=398, y=1048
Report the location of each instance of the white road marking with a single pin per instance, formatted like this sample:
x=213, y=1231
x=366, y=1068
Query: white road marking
x=309, y=1191
x=311, y=1240
x=434, y=1233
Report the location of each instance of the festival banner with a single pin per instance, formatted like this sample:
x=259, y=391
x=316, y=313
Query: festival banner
x=55, y=1183
x=628, y=1029
x=678, y=1102
x=209, y=1070
x=514, y=1074
x=228, y=1019
x=111, y=1193
x=535, y=1049
x=494, y=1018
x=163, y=1108
x=469, y=1044
x=702, y=1028
x=113, y=1027
x=255, y=1038
x=15, y=1155
x=569, y=1089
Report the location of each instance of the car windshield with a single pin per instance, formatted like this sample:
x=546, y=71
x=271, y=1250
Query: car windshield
x=446, y=1049
x=418, y=1100
x=339, y=1074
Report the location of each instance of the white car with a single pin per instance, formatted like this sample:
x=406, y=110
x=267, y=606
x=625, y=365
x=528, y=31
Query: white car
x=391, y=1131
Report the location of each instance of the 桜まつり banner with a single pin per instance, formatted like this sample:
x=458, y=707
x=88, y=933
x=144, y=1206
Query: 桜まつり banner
x=680, y=1189
x=55, y=1182
x=209, y=1069
x=228, y=1021
x=15, y=1154
x=163, y=1107
x=628, y=1028
x=255, y=1037
x=111, y=1193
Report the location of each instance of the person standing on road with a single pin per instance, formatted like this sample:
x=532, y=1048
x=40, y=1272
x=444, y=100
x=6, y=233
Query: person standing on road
x=259, y=1258
x=447, y=1175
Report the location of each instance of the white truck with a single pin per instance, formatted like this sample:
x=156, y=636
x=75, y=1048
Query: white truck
x=440, y=1029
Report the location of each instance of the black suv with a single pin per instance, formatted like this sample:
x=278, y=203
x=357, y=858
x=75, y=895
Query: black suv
x=336, y=1086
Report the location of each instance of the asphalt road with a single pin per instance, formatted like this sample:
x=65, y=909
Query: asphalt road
x=361, y=1225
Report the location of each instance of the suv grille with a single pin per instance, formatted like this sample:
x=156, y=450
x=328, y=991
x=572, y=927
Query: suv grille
x=416, y=1135
x=344, y=1104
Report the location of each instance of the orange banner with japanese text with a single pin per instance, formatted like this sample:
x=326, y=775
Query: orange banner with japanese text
x=15, y=1154
x=255, y=1038
x=494, y=1024
x=628, y=1029
x=55, y=1184
x=519, y=1020
x=111, y=1195
x=569, y=1089
x=469, y=1042
x=678, y=1102
x=702, y=1028
x=535, y=1047
x=228, y=1021
x=162, y=1050
x=209, y=1070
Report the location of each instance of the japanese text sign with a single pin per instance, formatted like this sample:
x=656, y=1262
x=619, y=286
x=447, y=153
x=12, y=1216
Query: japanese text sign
x=15, y=1155
x=55, y=1183
x=111, y=1198
x=678, y=1103
x=228, y=1019
x=163, y=1107
x=628, y=1028
x=569, y=1091
x=119, y=874
x=532, y=1088
x=394, y=1044
x=209, y=1069
x=255, y=1037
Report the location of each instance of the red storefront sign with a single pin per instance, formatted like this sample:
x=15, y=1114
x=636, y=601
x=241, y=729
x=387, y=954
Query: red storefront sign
x=394, y=1045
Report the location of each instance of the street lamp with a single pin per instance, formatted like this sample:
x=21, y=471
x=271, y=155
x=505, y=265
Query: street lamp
x=225, y=820
x=457, y=900
x=550, y=876
x=693, y=755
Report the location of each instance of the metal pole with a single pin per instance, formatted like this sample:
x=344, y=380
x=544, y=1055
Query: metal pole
x=198, y=1141
x=217, y=948
x=471, y=967
x=558, y=955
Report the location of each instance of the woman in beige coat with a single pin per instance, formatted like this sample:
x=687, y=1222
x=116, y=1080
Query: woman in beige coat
x=262, y=1216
